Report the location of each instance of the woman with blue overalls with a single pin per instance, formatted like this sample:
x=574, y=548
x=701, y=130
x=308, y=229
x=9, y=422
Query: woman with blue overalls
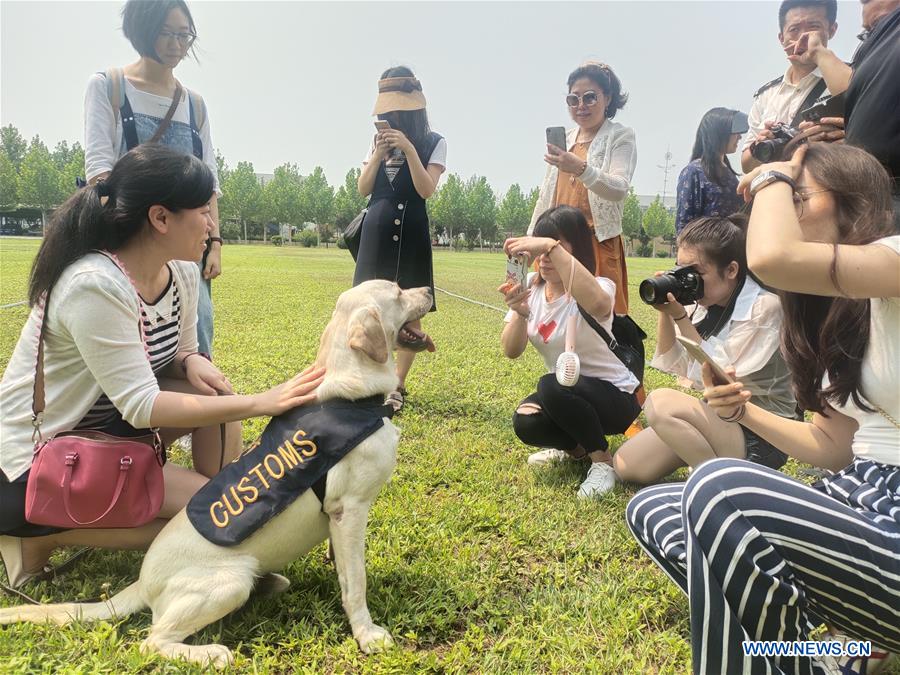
x=400, y=172
x=143, y=102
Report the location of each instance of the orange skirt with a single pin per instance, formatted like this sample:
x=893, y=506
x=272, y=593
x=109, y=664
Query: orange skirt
x=610, y=257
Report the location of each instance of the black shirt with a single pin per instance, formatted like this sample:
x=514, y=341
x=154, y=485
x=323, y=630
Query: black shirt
x=873, y=97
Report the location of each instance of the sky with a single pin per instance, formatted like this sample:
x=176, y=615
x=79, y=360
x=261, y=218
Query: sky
x=296, y=81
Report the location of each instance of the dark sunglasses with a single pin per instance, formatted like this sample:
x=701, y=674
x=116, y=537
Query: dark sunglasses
x=588, y=98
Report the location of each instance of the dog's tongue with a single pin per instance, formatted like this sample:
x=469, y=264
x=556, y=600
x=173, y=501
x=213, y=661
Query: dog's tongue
x=415, y=340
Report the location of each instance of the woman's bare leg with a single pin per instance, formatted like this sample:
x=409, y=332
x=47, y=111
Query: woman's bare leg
x=206, y=442
x=180, y=485
x=405, y=357
x=645, y=459
x=683, y=431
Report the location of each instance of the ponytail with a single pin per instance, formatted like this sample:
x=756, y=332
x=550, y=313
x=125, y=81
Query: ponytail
x=149, y=175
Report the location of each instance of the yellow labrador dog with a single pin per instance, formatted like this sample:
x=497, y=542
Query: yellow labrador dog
x=189, y=582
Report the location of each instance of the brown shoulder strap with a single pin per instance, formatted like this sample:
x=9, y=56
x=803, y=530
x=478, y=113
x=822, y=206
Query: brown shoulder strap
x=38, y=399
x=161, y=129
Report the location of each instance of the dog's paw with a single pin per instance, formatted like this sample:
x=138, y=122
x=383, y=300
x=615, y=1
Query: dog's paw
x=272, y=584
x=219, y=656
x=373, y=639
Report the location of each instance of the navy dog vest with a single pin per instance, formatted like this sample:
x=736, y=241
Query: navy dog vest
x=294, y=453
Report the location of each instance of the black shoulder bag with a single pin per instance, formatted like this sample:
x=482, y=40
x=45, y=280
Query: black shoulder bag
x=626, y=342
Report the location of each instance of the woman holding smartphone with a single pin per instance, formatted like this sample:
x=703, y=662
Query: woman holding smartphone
x=758, y=553
x=143, y=102
x=400, y=172
x=573, y=420
x=593, y=172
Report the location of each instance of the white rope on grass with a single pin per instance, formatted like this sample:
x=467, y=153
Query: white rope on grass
x=452, y=295
x=474, y=302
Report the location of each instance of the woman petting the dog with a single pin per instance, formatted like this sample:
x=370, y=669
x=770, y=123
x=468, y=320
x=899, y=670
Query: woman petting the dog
x=143, y=102
x=399, y=174
x=575, y=420
x=118, y=263
x=758, y=553
x=738, y=323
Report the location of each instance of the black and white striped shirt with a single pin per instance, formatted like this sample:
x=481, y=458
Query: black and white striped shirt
x=161, y=322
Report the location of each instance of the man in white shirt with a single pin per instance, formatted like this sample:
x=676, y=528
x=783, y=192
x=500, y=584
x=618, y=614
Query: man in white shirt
x=781, y=99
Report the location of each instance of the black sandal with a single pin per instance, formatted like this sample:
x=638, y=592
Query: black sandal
x=397, y=399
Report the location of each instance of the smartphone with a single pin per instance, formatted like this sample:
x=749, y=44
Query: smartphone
x=517, y=270
x=382, y=125
x=696, y=351
x=831, y=106
x=557, y=136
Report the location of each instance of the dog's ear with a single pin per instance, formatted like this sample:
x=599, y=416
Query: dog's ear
x=366, y=334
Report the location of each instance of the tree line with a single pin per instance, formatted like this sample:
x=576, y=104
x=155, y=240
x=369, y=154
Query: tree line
x=463, y=212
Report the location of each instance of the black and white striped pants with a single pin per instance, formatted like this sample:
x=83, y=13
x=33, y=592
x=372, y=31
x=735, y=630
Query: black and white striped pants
x=758, y=552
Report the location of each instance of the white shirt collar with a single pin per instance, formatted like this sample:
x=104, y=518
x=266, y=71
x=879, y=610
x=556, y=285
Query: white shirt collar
x=803, y=81
x=743, y=306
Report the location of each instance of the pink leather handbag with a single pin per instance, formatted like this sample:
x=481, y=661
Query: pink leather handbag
x=89, y=479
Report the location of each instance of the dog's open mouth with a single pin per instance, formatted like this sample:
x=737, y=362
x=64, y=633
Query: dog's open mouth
x=414, y=340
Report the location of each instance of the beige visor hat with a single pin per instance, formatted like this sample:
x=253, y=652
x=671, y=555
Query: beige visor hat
x=399, y=93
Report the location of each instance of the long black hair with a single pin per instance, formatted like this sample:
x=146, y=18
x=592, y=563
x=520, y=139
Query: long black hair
x=142, y=20
x=831, y=334
x=149, y=175
x=565, y=223
x=413, y=123
x=710, y=144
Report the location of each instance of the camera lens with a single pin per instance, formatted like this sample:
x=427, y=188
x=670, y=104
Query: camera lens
x=764, y=151
x=653, y=291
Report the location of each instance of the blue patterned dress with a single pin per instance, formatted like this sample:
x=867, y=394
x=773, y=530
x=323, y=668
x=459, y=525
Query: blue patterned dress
x=698, y=196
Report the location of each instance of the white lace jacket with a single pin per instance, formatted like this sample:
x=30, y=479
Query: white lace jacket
x=611, y=160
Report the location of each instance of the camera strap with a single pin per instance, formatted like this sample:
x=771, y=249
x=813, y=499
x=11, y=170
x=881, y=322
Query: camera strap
x=813, y=95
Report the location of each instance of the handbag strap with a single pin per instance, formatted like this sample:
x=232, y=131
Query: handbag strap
x=38, y=398
x=71, y=461
x=167, y=120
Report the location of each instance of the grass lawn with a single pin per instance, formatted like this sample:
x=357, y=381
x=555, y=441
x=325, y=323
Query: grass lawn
x=476, y=563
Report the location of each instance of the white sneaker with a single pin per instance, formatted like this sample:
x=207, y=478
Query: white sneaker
x=548, y=456
x=848, y=665
x=601, y=478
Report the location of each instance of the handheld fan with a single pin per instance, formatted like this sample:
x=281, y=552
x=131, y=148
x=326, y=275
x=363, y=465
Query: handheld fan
x=568, y=366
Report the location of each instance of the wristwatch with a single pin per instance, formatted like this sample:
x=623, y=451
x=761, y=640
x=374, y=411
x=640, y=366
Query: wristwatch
x=769, y=177
x=215, y=239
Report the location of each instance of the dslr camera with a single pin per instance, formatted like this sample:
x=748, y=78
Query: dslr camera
x=683, y=282
x=772, y=149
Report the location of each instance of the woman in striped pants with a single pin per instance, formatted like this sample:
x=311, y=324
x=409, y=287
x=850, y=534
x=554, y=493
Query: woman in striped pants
x=761, y=556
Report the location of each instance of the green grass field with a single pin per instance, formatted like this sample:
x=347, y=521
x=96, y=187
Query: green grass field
x=476, y=563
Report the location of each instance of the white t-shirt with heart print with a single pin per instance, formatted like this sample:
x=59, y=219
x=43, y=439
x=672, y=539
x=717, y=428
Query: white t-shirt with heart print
x=547, y=332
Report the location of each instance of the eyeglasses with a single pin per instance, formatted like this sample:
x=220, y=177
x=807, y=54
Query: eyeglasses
x=184, y=39
x=588, y=98
x=801, y=196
